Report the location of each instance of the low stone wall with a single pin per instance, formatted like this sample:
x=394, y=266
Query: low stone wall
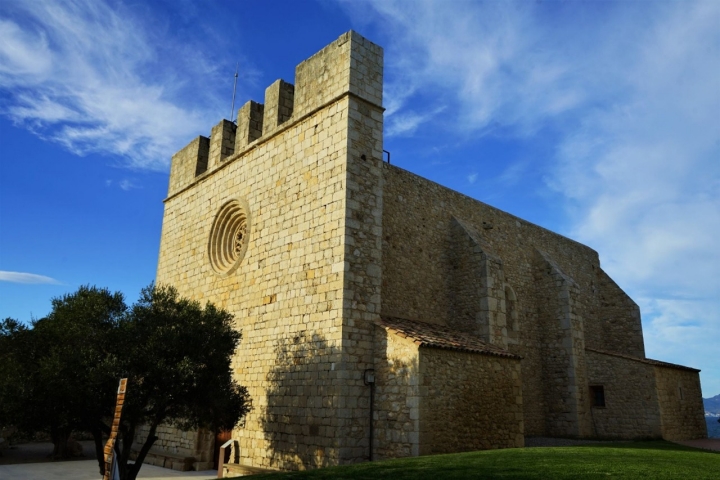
x=681, y=408
x=469, y=401
x=198, y=444
x=631, y=409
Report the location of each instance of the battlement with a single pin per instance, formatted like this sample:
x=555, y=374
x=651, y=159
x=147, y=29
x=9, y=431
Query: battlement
x=349, y=65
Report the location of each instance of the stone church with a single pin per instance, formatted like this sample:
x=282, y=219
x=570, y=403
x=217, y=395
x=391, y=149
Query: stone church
x=384, y=315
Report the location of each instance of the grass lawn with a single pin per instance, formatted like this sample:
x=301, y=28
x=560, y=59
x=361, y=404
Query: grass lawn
x=642, y=460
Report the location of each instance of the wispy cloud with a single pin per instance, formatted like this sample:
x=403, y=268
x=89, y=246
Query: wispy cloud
x=496, y=64
x=124, y=184
x=95, y=78
x=644, y=179
x=513, y=174
x=407, y=122
x=22, y=277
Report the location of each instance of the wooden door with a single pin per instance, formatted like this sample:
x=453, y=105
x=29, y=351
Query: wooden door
x=220, y=438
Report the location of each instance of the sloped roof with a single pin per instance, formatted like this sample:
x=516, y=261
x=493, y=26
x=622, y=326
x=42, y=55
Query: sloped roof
x=648, y=361
x=440, y=336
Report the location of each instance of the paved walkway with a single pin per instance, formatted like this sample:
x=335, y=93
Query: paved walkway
x=88, y=470
x=704, y=443
x=15, y=464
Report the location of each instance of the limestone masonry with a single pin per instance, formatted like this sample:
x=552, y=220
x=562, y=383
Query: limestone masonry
x=384, y=315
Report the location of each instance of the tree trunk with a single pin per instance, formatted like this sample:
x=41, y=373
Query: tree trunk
x=97, y=437
x=60, y=437
x=131, y=471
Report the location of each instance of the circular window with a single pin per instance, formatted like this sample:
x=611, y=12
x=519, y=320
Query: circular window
x=229, y=236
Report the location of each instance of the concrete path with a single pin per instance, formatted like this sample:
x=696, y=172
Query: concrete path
x=88, y=470
x=704, y=443
x=29, y=462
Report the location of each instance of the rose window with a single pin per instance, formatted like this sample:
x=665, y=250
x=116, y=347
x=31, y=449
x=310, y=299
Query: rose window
x=229, y=237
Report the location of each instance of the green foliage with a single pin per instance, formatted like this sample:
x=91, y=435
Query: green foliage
x=54, y=376
x=177, y=360
x=14, y=340
x=61, y=375
x=627, y=460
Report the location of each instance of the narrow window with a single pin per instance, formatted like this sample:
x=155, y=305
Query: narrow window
x=681, y=393
x=597, y=395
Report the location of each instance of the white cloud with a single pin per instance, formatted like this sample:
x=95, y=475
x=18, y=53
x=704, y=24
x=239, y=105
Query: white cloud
x=22, y=277
x=22, y=52
x=644, y=177
x=96, y=78
x=472, y=177
x=513, y=174
x=126, y=184
x=407, y=122
x=495, y=62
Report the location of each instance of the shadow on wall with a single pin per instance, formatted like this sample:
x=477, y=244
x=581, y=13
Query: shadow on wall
x=301, y=403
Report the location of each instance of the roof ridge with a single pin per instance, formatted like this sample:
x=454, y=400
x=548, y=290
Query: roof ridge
x=426, y=334
x=649, y=361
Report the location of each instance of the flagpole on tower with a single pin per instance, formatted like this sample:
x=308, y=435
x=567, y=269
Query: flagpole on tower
x=232, y=110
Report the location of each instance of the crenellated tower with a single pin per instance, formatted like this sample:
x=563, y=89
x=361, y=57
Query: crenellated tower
x=277, y=218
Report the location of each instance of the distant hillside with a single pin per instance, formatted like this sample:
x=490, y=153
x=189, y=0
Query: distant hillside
x=712, y=405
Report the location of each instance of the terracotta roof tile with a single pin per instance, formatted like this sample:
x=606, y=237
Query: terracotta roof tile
x=648, y=361
x=440, y=336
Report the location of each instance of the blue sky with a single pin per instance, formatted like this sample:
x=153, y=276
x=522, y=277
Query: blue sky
x=599, y=120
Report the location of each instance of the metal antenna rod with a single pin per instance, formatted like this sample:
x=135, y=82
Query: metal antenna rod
x=232, y=110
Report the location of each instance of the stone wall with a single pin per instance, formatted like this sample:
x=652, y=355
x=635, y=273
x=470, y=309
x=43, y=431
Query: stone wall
x=476, y=286
x=419, y=267
x=469, y=401
x=682, y=414
x=619, y=319
x=188, y=163
x=190, y=444
x=397, y=415
x=362, y=256
x=431, y=400
x=631, y=404
x=562, y=346
x=288, y=286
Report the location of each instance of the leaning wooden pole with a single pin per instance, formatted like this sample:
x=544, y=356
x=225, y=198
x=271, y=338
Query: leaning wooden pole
x=110, y=445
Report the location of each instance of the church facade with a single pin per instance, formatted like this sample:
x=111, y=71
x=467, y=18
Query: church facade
x=384, y=315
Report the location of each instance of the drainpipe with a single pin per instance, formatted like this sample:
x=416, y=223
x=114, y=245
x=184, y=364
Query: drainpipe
x=369, y=379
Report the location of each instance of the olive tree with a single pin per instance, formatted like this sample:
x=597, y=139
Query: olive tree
x=60, y=374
